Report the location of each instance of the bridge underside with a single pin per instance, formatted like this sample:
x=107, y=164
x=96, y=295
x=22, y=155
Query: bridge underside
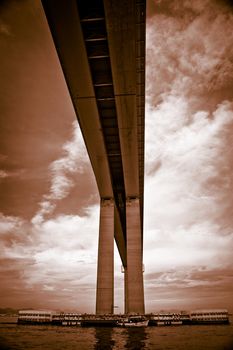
x=101, y=46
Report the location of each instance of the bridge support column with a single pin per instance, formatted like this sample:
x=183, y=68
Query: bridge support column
x=134, y=290
x=126, y=289
x=105, y=273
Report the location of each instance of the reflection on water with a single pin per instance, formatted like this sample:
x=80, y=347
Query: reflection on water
x=120, y=338
x=214, y=337
x=136, y=338
x=104, y=338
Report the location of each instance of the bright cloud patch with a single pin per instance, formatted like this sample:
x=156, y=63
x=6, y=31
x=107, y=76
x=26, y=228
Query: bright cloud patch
x=189, y=121
x=9, y=223
x=185, y=158
x=59, y=256
x=62, y=170
x=189, y=52
x=53, y=257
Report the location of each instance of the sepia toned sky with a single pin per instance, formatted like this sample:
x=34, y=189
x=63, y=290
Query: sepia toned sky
x=49, y=199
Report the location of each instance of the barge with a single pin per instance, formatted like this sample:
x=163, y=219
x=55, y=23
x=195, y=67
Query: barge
x=32, y=317
x=35, y=317
x=133, y=321
x=209, y=317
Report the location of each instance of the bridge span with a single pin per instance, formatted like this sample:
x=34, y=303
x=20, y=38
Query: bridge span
x=101, y=47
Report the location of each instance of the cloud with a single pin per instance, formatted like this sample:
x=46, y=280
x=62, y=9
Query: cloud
x=3, y=174
x=16, y=173
x=62, y=171
x=9, y=223
x=191, y=288
x=188, y=165
x=189, y=123
x=5, y=29
x=189, y=54
x=185, y=159
x=73, y=161
x=53, y=257
x=189, y=278
x=54, y=260
x=202, y=244
x=73, y=226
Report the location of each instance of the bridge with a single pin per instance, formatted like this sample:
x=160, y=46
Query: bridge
x=101, y=47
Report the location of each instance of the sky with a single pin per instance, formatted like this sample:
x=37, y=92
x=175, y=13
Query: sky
x=49, y=206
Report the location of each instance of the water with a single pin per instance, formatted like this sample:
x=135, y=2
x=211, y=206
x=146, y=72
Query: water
x=204, y=337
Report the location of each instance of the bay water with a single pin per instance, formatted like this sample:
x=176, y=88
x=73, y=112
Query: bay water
x=187, y=337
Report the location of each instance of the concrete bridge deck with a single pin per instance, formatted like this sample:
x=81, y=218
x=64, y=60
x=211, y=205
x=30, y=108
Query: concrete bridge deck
x=101, y=47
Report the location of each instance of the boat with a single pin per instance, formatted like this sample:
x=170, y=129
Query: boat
x=133, y=321
x=71, y=323
x=34, y=317
x=166, y=319
x=70, y=319
x=169, y=323
x=176, y=323
x=209, y=316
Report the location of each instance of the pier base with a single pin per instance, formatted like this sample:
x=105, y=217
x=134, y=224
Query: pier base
x=105, y=274
x=134, y=291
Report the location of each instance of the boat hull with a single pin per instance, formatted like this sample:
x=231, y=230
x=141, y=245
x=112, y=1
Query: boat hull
x=133, y=324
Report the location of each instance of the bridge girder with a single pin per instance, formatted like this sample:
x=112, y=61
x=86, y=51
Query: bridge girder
x=101, y=47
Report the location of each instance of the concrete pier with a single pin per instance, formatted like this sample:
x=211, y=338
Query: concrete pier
x=134, y=293
x=105, y=271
